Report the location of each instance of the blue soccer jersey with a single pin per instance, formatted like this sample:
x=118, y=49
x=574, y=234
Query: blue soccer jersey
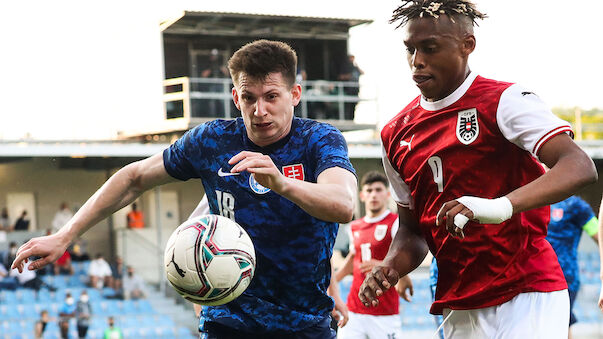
x=293, y=249
x=568, y=218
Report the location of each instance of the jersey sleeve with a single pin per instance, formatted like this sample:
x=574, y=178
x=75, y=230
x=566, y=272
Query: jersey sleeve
x=178, y=158
x=398, y=188
x=526, y=121
x=331, y=149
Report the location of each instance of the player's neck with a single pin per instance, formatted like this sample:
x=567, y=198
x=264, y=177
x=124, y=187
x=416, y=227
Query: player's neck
x=375, y=214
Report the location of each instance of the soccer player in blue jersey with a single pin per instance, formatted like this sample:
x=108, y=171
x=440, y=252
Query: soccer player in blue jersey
x=569, y=218
x=287, y=181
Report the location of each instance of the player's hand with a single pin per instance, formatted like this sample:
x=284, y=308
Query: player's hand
x=380, y=279
x=402, y=286
x=454, y=216
x=601, y=299
x=340, y=312
x=48, y=248
x=367, y=266
x=261, y=167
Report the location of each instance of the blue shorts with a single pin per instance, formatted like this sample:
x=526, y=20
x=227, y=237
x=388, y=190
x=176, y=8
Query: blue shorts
x=572, y=296
x=214, y=330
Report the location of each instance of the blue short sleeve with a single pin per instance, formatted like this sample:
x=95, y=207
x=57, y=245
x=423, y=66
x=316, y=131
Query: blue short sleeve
x=181, y=158
x=331, y=149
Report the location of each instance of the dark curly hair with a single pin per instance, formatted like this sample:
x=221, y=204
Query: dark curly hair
x=412, y=9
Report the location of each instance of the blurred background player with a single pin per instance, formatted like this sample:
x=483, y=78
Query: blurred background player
x=569, y=218
x=486, y=231
x=370, y=238
x=292, y=216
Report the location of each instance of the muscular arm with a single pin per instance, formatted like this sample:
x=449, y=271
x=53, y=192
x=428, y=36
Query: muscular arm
x=407, y=251
x=331, y=198
x=408, y=248
x=120, y=190
x=570, y=170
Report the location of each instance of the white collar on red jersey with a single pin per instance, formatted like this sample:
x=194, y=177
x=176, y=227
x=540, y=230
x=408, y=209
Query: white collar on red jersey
x=377, y=218
x=450, y=99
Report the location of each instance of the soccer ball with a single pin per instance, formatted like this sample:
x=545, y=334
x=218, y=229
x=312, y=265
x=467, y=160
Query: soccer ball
x=209, y=260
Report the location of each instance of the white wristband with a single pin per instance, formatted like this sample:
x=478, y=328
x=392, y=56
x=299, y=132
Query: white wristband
x=488, y=211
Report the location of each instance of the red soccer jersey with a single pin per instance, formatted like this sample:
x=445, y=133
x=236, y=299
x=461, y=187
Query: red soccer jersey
x=371, y=238
x=479, y=141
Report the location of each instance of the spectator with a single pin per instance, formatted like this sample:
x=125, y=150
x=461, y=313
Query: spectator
x=118, y=272
x=22, y=224
x=99, y=272
x=4, y=224
x=83, y=311
x=9, y=256
x=66, y=312
x=40, y=325
x=7, y=282
x=29, y=279
x=135, y=217
x=350, y=72
x=63, y=264
x=78, y=252
x=112, y=332
x=62, y=216
x=4, y=220
x=134, y=287
x=215, y=68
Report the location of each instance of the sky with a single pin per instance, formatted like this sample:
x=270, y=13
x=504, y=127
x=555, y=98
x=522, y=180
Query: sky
x=75, y=69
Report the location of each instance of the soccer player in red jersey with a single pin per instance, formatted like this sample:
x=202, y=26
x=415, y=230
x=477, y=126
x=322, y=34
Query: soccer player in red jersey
x=370, y=238
x=464, y=159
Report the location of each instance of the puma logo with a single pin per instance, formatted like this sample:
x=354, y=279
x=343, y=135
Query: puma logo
x=181, y=272
x=404, y=143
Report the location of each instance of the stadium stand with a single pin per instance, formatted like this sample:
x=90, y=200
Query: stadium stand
x=20, y=309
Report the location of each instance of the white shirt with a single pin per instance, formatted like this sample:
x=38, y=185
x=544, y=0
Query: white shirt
x=61, y=218
x=99, y=268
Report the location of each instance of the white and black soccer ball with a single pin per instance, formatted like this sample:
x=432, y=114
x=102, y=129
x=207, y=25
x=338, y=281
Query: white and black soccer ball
x=209, y=260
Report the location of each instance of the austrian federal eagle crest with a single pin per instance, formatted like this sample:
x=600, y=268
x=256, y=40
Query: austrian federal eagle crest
x=467, y=127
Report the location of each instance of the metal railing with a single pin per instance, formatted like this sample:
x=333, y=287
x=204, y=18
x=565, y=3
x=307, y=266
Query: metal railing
x=188, y=98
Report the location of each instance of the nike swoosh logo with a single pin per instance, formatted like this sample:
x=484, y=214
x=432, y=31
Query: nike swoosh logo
x=225, y=174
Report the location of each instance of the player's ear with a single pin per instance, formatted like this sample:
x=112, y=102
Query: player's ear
x=235, y=97
x=468, y=44
x=296, y=91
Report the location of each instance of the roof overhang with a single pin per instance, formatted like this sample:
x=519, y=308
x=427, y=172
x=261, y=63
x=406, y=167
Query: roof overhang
x=259, y=25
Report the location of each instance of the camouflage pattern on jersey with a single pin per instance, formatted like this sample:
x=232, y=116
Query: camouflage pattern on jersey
x=293, y=249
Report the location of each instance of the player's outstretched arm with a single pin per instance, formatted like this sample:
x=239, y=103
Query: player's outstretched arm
x=331, y=198
x=119, y=191
x=407, y=251
x=570, y=170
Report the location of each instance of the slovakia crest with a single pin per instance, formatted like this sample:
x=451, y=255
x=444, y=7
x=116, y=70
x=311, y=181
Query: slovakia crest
x=556, y=214
x=467, y=128
x=294, y=171
x=380, y=232
x=256, y=187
